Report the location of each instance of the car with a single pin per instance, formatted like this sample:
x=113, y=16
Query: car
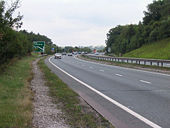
x=70, y=54
x=57, y=56
x=96, y=53
x=75, y=53
x=64, y=53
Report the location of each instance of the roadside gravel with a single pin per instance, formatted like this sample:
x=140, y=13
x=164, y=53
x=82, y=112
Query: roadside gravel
x=46, y=114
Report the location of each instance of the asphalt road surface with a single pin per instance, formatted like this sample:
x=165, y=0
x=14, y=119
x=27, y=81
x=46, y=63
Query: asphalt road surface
x=128, y=98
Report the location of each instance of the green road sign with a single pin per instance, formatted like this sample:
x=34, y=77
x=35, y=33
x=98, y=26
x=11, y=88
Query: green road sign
x=39, y=46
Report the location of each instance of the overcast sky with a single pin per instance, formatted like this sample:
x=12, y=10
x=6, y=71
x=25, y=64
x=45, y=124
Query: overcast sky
x=79, y=22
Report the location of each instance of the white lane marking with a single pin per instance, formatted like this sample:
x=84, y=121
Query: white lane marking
x=123, y=67
x=148, y=122
x=143, y=81
x=101, y=70
x=91, y=67
x=118, y=75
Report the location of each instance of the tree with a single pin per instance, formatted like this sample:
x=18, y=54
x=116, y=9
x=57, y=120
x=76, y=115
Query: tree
x=155, y=26
x=154, y=12
x=6, y=15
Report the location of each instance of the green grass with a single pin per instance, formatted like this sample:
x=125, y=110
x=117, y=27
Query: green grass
x=15, y=94
x=156, y=50
x=70, y=102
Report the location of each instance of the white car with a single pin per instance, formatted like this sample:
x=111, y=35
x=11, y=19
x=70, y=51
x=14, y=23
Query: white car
x=70, y=54
x=57, y=56
x=96, y=53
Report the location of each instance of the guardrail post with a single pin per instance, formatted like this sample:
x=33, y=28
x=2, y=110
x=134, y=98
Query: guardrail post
x=144, y=62
x=151, y=62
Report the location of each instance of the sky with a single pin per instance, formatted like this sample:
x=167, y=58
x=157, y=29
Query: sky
x=79, y=22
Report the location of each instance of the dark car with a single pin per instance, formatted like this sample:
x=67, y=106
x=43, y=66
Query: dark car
x=64, y=53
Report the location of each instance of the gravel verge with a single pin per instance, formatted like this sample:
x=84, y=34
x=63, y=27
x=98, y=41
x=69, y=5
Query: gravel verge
x=46, y=114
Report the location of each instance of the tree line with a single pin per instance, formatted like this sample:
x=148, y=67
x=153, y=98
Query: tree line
x=15, y=43
x=155, y=26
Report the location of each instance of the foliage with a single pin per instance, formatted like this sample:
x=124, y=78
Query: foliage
x=17, y=43
x=12, y=42
x=156, y=50
x=6, y=15
x=70, y=49
x=38, y=37
x=155, y=26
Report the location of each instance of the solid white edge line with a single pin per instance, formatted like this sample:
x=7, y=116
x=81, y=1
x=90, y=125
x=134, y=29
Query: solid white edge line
x=148, y=122
x=122, y=67
x=143, y=81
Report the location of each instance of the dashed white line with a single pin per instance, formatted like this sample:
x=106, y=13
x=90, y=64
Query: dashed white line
x=123, y=67
x=101, y=70
x=148, y=122
x=143, y=81
x=118, y=75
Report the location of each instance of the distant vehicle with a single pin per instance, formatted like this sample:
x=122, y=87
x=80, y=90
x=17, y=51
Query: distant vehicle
x=64, y=53
x=75, y=53
x=57, y=56
x=79, y=52
x=70, y=54
x=96, y=53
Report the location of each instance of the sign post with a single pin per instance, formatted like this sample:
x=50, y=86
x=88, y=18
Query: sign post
x=53, y=50
x=39, y=46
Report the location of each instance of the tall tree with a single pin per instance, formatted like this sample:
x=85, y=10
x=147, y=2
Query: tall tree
x=6, y=15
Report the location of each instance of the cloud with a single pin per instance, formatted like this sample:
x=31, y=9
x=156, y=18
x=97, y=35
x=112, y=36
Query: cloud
x=79, y=22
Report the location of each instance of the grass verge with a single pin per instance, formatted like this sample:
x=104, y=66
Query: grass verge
x=156, y=50
x=129, y=65
x=15, y=94
x=70, y=103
